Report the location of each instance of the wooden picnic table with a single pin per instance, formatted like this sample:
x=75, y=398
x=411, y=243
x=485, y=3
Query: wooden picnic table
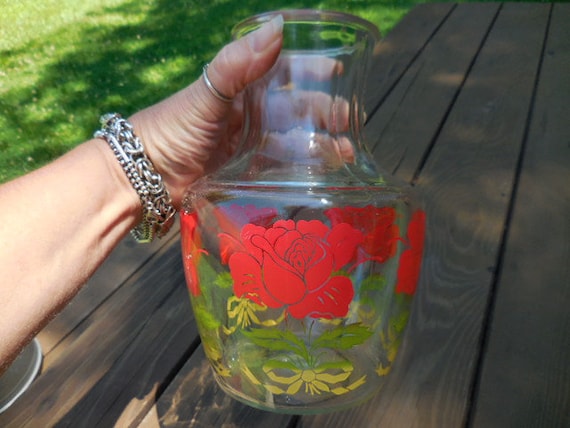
x=471, y=104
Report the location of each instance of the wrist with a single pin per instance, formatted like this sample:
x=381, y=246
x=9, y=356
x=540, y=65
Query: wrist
x=157, y=209
x=123, y=189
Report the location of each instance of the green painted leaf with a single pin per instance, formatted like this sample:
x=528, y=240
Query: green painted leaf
x=341, y=273
x=205, y=318
x=343, y=337
x=206, y=271
x=277, y=340
x=373, y=283
x=370, y=286
x=399, y=321
x=224, y=280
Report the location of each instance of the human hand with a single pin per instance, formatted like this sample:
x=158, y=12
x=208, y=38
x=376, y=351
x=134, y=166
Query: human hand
x=301, y=106
x=192, y=132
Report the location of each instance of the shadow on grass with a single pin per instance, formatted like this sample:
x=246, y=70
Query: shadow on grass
x=123, y=68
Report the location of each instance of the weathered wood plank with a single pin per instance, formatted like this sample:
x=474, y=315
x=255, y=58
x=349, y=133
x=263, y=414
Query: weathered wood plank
x=105, y=339
x=111, y=365
x=119, y=266
x=127, y=392
x=195, y=400
x=466, y=184
x=397, y=51
x=413, y=113
x=526, y=372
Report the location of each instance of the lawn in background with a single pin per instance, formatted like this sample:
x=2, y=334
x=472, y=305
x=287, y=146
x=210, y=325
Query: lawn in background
x=63, y=63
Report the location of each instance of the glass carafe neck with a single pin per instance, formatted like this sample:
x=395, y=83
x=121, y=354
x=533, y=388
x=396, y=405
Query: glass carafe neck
x=304, y=118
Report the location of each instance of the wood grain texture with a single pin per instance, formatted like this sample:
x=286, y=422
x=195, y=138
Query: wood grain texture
x=525, y=380
x=119, y=266
x=410, y=118
x=195, y=400
x=466, y=185
x=94, y=365
x=397, y=51
x=126, y=393
x=457, y=109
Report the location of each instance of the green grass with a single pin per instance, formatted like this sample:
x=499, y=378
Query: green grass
x=63, y=63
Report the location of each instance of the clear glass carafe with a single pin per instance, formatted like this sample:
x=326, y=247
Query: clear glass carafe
x=301, y=257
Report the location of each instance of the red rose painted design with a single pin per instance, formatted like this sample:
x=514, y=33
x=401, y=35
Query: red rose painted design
x=191, y=250
x=411, y=258
x=231, y=218
x=292, y=265
x=378, y=225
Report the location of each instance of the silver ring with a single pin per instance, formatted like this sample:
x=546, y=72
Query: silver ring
x=212, y=88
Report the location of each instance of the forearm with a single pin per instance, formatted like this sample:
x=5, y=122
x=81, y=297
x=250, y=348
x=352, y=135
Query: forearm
x=60, y=222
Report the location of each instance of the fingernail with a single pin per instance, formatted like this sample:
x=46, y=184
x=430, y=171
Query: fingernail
x=261, y=38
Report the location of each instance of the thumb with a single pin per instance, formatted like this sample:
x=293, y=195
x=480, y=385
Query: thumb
x=244, y=60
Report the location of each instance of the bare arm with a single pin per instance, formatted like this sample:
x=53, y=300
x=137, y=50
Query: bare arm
x=59, y=223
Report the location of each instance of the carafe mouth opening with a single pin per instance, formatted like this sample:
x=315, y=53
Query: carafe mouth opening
x=311, y=29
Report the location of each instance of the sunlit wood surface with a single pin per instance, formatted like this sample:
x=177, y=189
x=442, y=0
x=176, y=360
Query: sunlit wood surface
x=471, y=104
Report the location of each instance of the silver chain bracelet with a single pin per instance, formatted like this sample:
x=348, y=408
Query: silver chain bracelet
x=158, y=212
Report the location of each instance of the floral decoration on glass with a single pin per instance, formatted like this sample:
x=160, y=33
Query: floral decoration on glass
x=302, y=308
x=301, y=257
